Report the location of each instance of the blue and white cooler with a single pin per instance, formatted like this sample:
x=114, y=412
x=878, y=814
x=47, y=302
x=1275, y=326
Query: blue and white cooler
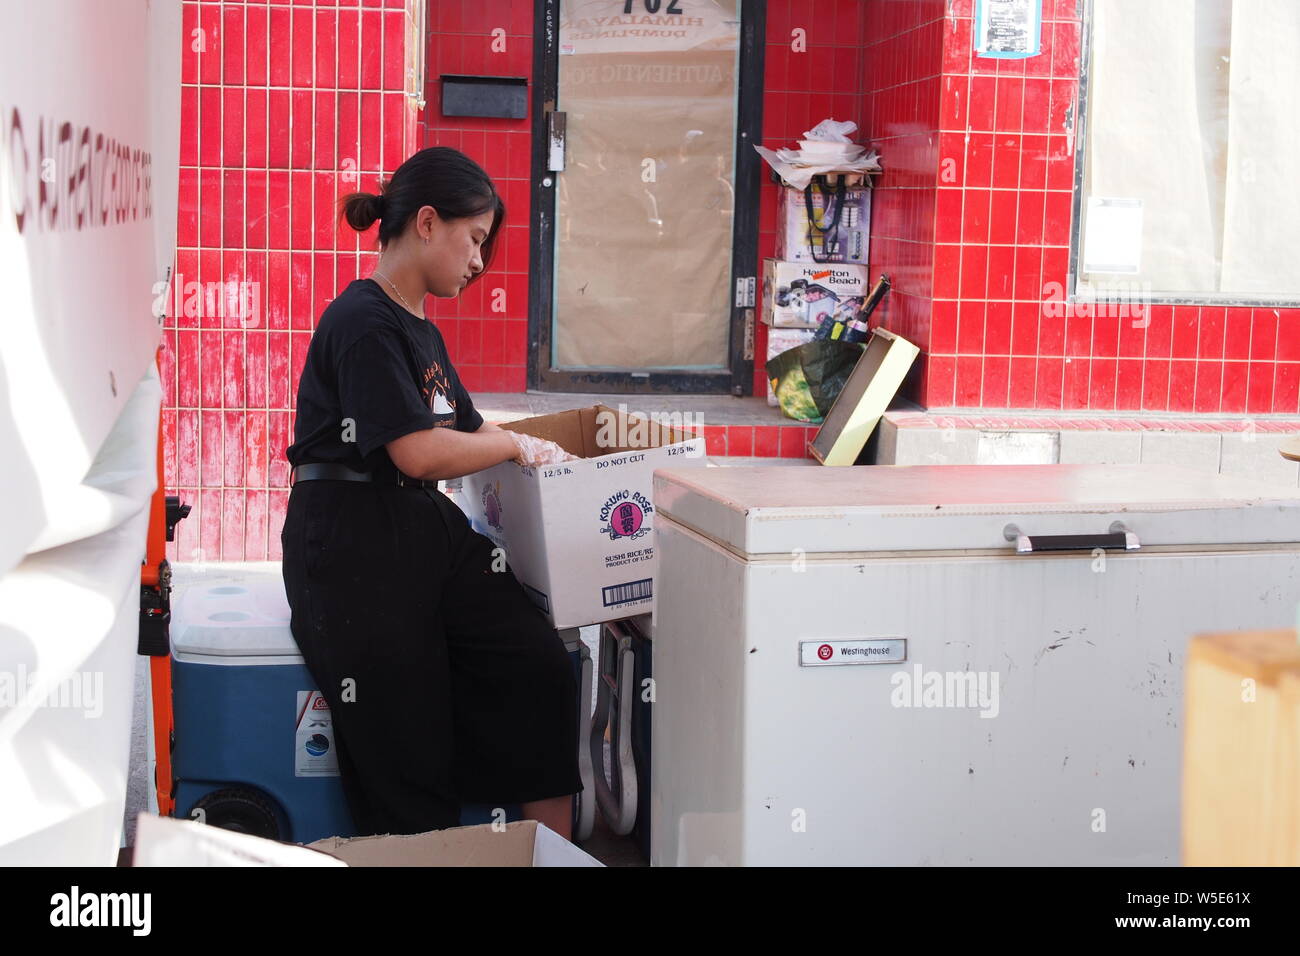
x=254, y=746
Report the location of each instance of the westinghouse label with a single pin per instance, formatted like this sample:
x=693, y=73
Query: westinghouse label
x=822, y=653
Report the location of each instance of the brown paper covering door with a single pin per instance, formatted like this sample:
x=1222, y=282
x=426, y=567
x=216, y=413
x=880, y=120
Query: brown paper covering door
x=645, y=203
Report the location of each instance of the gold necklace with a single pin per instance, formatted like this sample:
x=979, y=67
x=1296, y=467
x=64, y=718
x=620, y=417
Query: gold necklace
x=399, y=293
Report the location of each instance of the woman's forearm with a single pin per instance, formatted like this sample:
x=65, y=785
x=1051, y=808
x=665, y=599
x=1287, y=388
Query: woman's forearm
x=440, y=453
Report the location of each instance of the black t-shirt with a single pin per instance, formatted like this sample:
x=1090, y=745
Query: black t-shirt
x=374, y=372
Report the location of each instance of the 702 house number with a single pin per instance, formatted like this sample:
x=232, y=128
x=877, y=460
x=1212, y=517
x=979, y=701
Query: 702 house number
x=652, y=6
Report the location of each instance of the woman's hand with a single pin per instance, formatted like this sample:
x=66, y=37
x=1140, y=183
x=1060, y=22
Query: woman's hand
x=538, y=451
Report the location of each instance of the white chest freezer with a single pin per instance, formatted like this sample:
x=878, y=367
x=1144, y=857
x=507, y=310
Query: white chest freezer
x=942, y=664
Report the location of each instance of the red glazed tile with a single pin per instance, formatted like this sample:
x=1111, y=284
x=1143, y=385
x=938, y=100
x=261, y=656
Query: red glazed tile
x=278, y=129
x=255, y=525
x=1007, y=104
x=996, y=385
x=979, y=159
x=974, y=271
x=1001, y=272
x=300, y=137
x=232, y=46
x=1259, y=389
x=187, y=447
x=256, y=43
x=940, y=380
x=1263, y=333
x=1288, y=335
x=1128, y=385
x=1209, y=388
x=280, y=46
x=1023, y=373
x=975, y=216
x=210, y=461
x=1029, y=218
x=1102, y=384
x=303, y=40
x=233, y=220
x=1160, y=328
x=207, y=44
x=1286, y=391
x=1182, y=386
x=969, y=380
x=1156, y=385
x=324, y=131
x=1047, y=391
x=1237, y=333
x=997, y=328
x=1186, y=332
x=1235, y=375
x=766, y=440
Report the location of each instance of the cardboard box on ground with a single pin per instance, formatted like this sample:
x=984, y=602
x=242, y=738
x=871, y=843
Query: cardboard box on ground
x=578, y=535
x=164, y=841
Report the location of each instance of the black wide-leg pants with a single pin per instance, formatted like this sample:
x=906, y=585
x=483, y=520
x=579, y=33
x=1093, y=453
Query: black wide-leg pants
x=446, y=685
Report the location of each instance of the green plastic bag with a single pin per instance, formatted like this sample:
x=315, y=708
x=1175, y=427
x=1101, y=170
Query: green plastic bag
x=808, y=378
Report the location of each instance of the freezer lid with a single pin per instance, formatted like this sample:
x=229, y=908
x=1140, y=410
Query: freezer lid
x=777, y=510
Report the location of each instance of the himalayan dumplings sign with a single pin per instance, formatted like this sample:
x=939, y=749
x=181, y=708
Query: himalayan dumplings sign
x=647, y=26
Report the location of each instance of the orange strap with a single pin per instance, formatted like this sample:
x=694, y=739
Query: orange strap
x=160, y=668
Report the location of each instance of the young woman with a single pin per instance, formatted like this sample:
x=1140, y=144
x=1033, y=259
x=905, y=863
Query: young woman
x=445, y=684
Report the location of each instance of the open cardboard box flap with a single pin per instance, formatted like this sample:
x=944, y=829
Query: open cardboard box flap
x=525, y=843
x=165, y=841
x=599, y=430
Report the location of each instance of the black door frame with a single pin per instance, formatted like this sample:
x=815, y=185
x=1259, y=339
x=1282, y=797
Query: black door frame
x=739, y=378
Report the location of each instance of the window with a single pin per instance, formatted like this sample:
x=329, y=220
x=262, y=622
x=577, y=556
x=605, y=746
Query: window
x=1189, y=185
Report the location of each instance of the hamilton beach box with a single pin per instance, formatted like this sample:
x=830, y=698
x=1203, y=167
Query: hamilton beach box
x=578, y=535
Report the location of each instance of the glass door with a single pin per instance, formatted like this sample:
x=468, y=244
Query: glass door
x=643, y=142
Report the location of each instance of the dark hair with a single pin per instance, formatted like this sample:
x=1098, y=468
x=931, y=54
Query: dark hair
x=441, y=177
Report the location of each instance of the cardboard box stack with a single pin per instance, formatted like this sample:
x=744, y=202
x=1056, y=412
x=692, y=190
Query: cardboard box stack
x=799, y=296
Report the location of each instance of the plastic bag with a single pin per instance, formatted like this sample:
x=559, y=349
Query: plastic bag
x=808, y=378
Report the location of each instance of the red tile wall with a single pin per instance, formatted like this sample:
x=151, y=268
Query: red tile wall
x=997, y=240
x=486, y=328
x=285, y=107
x=901, y=80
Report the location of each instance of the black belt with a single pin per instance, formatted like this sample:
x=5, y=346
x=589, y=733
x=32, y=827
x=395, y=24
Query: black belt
x=330, y=471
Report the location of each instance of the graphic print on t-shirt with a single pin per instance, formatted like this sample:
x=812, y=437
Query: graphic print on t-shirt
x=436, y=390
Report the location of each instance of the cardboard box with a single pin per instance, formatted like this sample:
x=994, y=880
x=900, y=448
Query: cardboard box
x=578, y=535
x=524, y=843
x=1241, y=750
x=778, y=341
x=165, y=841
x=848, y=240
x=797, y=295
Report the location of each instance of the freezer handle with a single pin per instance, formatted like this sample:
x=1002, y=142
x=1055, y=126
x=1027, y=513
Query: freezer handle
x=1118, y=538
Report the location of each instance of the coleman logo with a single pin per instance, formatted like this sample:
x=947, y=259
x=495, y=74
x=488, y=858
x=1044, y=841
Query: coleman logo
x=624, y=514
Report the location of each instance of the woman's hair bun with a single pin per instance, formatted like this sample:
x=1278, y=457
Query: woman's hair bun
x=361, y=210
